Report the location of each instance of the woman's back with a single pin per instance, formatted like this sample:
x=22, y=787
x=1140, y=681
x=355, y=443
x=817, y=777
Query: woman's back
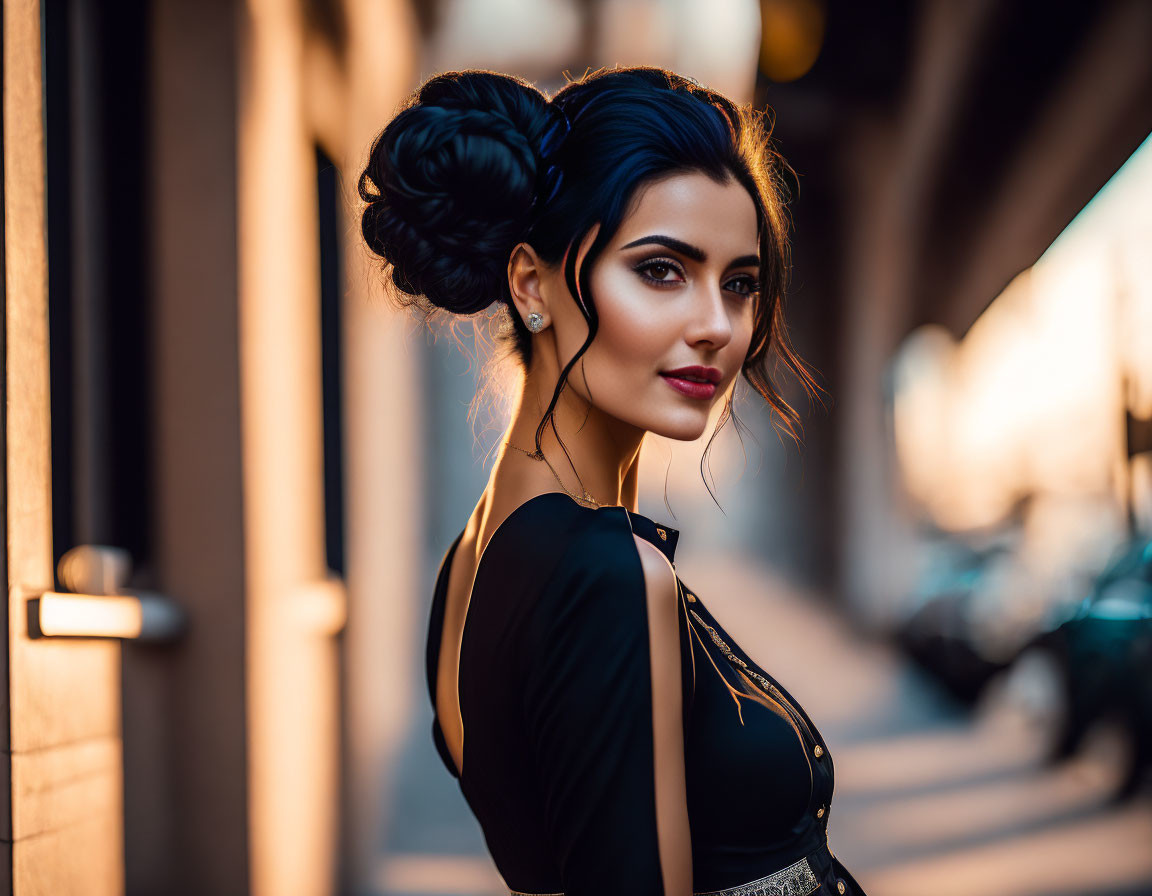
x=533, y=587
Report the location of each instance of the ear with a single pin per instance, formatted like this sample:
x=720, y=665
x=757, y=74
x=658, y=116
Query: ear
x=525, y=276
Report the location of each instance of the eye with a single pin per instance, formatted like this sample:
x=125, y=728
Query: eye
x=744, y=285
x=659, y=271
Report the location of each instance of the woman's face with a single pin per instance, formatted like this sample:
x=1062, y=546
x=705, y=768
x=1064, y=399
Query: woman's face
x=675, y=288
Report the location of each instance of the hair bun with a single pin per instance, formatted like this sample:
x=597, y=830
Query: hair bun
x=450, y=184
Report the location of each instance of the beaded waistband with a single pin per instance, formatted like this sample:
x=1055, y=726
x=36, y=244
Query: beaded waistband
x=797, y=879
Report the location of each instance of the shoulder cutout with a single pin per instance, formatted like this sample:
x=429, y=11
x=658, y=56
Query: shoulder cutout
x=659, y=583
x=672, y=826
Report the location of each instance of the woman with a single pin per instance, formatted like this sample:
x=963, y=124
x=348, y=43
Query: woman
x=609, y=735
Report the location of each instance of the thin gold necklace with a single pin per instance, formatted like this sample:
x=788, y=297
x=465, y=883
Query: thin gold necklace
x=539, y=455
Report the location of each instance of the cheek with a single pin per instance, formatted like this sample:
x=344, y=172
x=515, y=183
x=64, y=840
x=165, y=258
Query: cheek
x=633, y=334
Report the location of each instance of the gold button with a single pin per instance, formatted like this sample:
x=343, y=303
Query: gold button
x=820, y=812
x=818, y=750
x=691, y=596
x=663, y=535
x=840, y=886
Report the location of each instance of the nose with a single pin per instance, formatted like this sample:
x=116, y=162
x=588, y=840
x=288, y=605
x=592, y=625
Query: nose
x=711, y=321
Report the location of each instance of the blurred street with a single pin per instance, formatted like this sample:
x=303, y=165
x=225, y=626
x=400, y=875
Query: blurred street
x=929, y=799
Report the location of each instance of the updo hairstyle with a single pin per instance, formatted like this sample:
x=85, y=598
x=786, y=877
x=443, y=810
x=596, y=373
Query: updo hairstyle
x=477, y=162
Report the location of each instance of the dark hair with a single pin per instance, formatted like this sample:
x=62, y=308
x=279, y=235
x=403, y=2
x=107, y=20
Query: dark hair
x=471, y=166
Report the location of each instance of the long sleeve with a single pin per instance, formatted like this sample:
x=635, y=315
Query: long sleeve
x=589, y=718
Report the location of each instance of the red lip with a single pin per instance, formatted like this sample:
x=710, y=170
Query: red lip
x=691, y=388
x=710, y=374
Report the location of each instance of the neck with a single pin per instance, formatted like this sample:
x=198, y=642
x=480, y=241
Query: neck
x=599, y=453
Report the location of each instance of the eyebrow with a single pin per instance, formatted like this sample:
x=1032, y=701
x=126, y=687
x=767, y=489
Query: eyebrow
x=688, y=250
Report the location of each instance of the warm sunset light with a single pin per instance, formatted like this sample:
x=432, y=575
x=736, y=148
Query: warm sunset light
x=857, y=365
x=1031, y=399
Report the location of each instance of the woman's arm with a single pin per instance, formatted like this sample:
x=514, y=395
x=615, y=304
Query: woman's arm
x=667, y=720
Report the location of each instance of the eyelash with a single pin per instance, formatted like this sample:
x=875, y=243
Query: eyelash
x=753, y=283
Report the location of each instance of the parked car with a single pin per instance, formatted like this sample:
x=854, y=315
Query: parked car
x=938, y=629
x=1092, y=664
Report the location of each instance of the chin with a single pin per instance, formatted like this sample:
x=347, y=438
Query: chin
x=683, y=430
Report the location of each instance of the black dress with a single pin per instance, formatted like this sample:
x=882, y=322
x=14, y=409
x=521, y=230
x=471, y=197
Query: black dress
x=555, y=696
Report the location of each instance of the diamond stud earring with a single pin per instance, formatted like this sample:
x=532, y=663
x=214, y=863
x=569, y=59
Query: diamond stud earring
x=535, y=321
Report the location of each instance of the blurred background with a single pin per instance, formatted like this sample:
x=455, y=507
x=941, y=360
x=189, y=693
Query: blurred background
x=233, y=470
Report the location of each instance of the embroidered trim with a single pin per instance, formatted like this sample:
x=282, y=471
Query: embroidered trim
x=795, y=880
x=723, y=645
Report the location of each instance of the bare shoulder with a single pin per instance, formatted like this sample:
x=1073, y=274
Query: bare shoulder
x=659, y=585
x=672, y=824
